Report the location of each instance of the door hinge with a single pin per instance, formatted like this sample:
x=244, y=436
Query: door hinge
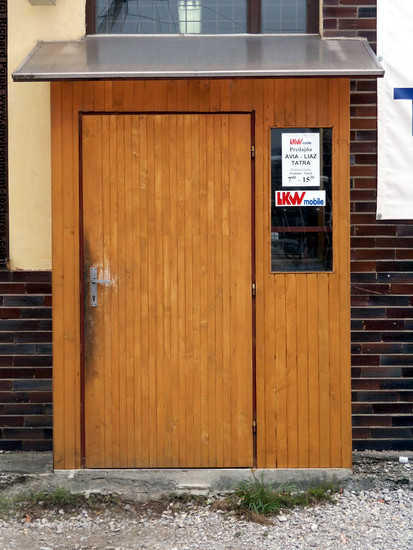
x=253, y=151
x=254, y=426
x=253, y=289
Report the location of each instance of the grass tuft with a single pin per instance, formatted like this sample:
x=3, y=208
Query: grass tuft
x=37, y=502
x=262, y=499
x=60, y=498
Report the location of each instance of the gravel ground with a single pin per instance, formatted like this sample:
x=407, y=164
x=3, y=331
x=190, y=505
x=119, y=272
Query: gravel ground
x=373, y=511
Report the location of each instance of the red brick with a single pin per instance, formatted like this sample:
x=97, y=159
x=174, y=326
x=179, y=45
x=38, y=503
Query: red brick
x=361, y=433
x=363, y=123
x=364, y=23
x=358, y=2
x=383, y=324
x=404, y=254
x=9, y=313
x=395, y=242
x=363, y=98
x=363, y=242
x=38, y=288
x=330, y=24
x=363, y=195
x=365, y=183
x=331, y=33
x=363, y=266
x=374, y=254
x=359, y=301
x=377, y=289
x=363, y=171
x=366, y=86
x=365, y=206
x=339, y=11
x=12, y=288
x=371, y=420
x=365, y=111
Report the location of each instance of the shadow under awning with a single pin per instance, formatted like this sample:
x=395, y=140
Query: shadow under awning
x=198, y=56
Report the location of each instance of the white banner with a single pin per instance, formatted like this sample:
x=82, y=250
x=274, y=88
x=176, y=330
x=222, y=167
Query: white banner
x=395, y=110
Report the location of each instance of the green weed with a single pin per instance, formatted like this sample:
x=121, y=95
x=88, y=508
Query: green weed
x=260, y=498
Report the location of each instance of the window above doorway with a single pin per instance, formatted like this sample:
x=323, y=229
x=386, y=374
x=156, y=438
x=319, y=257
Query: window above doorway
x=202, y=16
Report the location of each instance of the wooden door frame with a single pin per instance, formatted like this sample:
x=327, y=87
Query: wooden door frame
x=83, y=296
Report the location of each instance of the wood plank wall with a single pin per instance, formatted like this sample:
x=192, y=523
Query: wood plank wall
x=302, y=320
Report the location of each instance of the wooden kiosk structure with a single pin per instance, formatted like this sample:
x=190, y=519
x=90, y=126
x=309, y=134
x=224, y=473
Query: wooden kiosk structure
x=201, y=290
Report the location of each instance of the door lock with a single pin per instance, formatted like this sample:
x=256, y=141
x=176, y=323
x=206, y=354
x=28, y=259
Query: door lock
x=94, y=282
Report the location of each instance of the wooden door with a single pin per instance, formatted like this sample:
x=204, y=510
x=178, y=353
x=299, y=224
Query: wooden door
x=166, y=202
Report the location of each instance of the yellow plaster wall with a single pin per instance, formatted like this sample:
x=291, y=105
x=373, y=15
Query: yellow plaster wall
x=29, y=129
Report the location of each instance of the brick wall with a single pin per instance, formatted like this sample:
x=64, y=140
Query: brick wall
x=382, y=268
x=25, y=360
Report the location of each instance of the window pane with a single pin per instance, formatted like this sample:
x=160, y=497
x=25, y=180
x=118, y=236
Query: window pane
x=284, y=16
x=171, y=16
x=301, y=199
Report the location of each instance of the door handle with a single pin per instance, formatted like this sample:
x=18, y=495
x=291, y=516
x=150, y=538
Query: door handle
x=94, y=282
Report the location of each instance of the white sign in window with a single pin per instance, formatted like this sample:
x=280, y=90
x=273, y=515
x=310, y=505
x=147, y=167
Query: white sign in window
x=300, y=160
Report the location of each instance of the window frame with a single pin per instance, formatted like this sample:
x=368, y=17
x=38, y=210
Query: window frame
x=253, y=16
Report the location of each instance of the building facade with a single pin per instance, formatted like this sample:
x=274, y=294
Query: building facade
x=381, y=301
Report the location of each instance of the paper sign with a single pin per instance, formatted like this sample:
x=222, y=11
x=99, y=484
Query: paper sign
x=300, y=198
x=300, y=160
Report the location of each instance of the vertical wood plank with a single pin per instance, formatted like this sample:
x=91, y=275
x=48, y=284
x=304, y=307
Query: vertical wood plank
x=281, y=374
x=135, y=305
x=196, y=366
x=70, y=261
x=122, y=284
x=168, y=373
x=207, y=432
x=344, y=267
x=158, y=297
x=261, y=254
x=216, y=286
x=175, y=216
x=324, y=370
x=105, y=261
x=59, y=405
x=303, y=330
x=334, y=290
x=145, y=182
x=151, y=263
x=181, y=206
x=270, y=314
x=313, y=371
x=291, y=353
x=130, y=296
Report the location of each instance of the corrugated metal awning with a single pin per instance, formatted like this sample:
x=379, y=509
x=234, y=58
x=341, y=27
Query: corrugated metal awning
x=198, y=56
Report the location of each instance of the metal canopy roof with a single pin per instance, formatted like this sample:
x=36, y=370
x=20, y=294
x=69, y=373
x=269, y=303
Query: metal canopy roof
x=198, y=56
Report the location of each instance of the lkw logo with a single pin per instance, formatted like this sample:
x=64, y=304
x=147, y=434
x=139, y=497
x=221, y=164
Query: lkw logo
x=287, y=198
x=296, y=141
x=300, y=198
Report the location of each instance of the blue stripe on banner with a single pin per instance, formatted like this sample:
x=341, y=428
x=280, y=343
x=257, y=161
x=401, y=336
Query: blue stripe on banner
x=404, y=93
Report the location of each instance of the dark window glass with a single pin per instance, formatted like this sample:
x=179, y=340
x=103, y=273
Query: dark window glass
x=201, y=16
x=301, y=199
x=171, y=16
x=283, y=16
